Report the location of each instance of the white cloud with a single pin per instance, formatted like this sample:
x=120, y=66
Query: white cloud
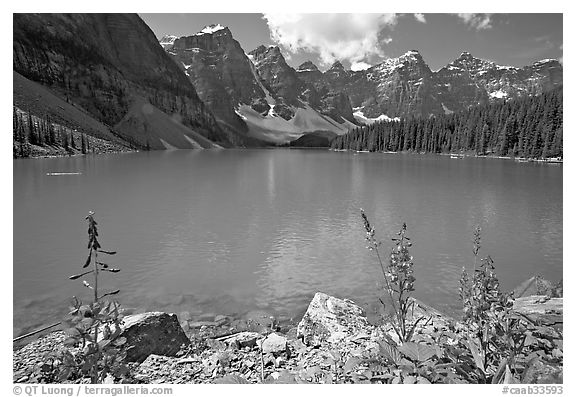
x=420, y=18
x=477, y=21
x=360, y=65
x=351, y=37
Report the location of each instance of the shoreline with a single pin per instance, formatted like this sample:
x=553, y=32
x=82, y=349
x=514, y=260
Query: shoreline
x=320, y=348
x=552, y=160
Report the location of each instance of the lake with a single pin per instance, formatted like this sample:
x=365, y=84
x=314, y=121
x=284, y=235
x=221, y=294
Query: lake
x=230, y=231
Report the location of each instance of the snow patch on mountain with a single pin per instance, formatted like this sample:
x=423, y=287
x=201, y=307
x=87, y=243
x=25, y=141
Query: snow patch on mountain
x=545, y=61
x=359, y=116
x=210, y=29
x=499, y=94
x=277, y=129
x=501, y=67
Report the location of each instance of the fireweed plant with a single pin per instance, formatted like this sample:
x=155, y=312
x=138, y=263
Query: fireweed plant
x=398, y=277
x=495, y=335
x=95, y=326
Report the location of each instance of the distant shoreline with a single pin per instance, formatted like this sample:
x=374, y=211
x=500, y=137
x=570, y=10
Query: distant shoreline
x=552, y=160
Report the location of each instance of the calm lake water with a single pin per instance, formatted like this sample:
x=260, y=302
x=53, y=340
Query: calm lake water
x=236, y=230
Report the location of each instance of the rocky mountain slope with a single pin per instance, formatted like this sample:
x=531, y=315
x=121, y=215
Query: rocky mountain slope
x=221, y=73
x=256, y=93
x=206, y=89
x=104, y=64
x=406, y=86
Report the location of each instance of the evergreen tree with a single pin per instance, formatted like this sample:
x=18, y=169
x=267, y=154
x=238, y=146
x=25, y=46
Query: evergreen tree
x=84, y=150
x=530, y=127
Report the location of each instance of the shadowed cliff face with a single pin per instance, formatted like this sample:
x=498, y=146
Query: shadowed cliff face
x=291, y=86
x=252, y=92
x=218, y=68
x=104, y=63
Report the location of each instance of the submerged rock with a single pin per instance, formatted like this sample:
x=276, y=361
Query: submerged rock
x=200, y=324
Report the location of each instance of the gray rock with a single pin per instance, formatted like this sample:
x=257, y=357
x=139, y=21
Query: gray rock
x=243, y=339
x=274, y=344
x=540, y=372
x=541, y=309
x=152, y=333
x=330, y=319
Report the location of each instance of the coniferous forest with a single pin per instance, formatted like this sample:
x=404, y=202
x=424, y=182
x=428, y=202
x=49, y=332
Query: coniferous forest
x=528, y=127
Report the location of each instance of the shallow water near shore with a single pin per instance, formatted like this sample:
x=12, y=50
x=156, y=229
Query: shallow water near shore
x=230, y=231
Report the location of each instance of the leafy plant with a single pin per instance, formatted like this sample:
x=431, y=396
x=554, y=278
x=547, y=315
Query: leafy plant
x=495, y=334
x=95, y=326
x=398, y=277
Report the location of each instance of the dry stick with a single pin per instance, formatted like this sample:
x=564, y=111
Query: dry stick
x=35, y=332
x=228, y=335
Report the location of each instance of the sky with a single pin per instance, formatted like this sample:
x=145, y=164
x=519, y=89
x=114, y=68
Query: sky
x=363, y=40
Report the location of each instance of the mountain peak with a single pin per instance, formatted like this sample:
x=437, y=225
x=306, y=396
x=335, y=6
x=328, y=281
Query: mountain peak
x=466, y=55
x=271, y=53
x=336, y=65
x=307, y=66
x=169, y=38
x=412, y=55
x=547, y=60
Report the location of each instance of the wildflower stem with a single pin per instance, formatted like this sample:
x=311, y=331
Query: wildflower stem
x=388, y=287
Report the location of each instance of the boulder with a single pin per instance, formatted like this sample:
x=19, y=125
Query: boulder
x=538, y=286
x=541, y=309
x=330, y=319
x=152, y=333
x=274, y=344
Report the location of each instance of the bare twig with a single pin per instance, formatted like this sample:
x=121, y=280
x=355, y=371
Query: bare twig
x=35, y=332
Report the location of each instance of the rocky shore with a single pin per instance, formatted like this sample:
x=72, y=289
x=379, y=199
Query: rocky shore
x=333, y=343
